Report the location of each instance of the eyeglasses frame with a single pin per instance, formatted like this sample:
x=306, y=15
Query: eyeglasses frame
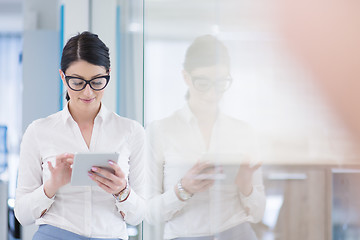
x=87, y=82
x=228, y=78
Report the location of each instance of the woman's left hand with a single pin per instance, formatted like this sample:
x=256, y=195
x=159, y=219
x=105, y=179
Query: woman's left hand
x=244, y=177
x=111, y=182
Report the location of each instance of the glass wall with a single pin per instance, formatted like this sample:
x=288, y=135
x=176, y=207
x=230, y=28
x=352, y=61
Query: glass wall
x=242, y=144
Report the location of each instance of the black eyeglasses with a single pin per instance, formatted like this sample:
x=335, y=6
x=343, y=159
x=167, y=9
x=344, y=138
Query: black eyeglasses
x=78, y=84
x=204, y=84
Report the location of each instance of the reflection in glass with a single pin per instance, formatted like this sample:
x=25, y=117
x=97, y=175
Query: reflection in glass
x=205, y=179
x=204, y=84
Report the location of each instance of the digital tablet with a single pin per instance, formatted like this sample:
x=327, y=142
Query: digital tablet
x=83, y=162
x=223, y=173
x=215, y=172
x=225, y=167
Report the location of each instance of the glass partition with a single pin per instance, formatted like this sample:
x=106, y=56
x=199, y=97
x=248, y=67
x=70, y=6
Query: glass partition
x=241, y=142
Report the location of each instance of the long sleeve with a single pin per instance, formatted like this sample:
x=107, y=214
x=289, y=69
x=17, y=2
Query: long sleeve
x=162, y=205
x=31, y=201
x=254, y=204
x=134, y=207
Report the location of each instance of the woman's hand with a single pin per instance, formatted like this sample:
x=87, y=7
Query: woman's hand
x=112, y=183
x=60, y=174
x=244, y=177
x=195, y=179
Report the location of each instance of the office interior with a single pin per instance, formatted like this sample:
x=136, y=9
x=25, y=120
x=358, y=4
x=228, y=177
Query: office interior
x=309, y=159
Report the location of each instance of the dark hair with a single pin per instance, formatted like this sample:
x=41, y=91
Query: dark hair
x=88, y=47
x=206, y=51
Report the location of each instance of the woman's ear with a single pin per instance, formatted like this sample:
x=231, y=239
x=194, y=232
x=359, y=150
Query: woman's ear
x=187, y=77
x=62, y=75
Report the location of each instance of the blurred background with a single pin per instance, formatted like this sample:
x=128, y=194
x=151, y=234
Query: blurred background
x=310, y=162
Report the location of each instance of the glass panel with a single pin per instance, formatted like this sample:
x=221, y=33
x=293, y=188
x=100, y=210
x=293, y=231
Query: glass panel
x=253, y=160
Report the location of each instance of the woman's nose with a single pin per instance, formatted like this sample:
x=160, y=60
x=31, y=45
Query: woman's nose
x=88, y=90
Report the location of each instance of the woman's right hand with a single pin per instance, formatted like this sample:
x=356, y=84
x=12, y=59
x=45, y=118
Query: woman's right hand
x=60, y=174
x=192, y=182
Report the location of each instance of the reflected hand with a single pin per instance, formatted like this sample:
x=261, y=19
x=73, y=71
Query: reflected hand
x=244, y=177
x=191, y=181
x=60, y=174
x=111, y=182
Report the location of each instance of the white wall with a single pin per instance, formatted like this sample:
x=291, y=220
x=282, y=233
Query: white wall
x=40, y=75
x=76, y=17
x=103, y=23
x=99, y=18
x=39, y=14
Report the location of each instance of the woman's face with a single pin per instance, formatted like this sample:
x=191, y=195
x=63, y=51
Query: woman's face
x=86, y=99
x=208, y=84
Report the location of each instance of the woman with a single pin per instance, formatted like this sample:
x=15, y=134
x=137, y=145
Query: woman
x=205, y=184
x=43, y=194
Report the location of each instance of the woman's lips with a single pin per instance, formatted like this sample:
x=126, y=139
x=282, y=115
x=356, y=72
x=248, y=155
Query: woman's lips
x=85, y=100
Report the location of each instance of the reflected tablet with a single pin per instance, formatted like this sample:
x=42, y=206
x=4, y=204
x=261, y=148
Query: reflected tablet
x=226, y=167
x=223, y=173
x=83, y=162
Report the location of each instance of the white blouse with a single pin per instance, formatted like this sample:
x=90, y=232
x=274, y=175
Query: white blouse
x=85, y=210
x=176, y=144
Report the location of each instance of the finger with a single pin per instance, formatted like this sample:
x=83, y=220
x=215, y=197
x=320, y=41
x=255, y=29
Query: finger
x=70, y=155
x=105, y=181
x=205, y=169
x=203, y=164
x=200, y=166
x=117, y=169
x=70, y=160
x=209, y=170
x=256, y=166
x=103, y=186
x=107, y=186
x=51, y=168
x=208, y=185
x=62, y=157
x=205, y=185
x=105, y=172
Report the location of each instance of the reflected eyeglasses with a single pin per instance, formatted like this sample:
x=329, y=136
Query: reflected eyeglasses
x=78, y=84
x=204, y=84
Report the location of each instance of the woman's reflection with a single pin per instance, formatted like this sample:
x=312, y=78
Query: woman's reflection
x=204, y=177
